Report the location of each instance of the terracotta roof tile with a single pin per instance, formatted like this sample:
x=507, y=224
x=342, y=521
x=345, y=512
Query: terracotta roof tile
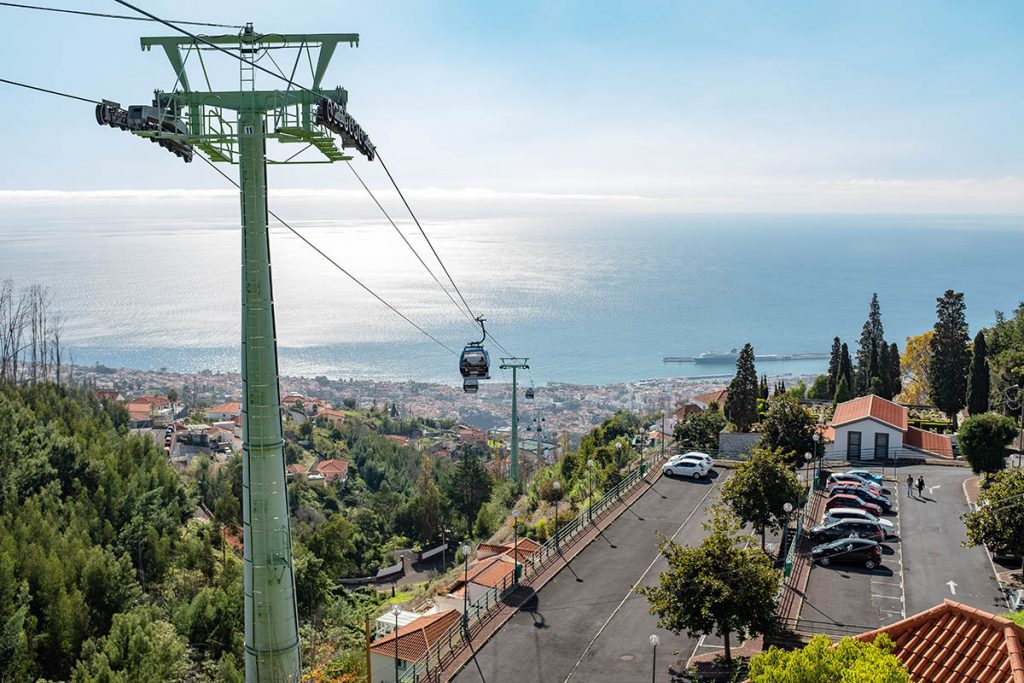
x=871, y=406
x=936, y=444
x=954, y=642
x=718, y=396
x=415, y=637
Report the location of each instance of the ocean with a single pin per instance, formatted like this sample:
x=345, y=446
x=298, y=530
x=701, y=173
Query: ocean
x=589, y=299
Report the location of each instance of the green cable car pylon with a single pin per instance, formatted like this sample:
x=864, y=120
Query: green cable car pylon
x=233, y=126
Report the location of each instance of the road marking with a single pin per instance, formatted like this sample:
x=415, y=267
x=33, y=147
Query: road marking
x=637, y=583
x=899, y=530
x=952, y=586
x=931, y=489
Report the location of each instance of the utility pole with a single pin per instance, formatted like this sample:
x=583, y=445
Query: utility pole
x=233, y=126
x=514, y=364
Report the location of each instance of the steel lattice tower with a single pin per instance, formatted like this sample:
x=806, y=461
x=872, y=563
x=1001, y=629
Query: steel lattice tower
x=233, y=126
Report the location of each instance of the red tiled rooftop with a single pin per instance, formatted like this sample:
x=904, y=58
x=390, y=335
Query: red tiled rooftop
x=936, y=444
x=952, y=642
x=718, y=396
x=525, y=548
x=415, y=637
x=871, y=406
x=230, y=408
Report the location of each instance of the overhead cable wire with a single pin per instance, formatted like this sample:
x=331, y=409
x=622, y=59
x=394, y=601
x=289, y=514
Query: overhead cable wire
x=336, y=264
x=405, y=239
x=49, y=92
x=103, y=15
x=299, y=86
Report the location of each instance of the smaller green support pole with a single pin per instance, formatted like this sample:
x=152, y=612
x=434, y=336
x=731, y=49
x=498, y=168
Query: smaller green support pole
x=514, y=364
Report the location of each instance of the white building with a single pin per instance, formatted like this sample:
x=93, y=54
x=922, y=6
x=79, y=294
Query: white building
x=413, y=640
x=872, y=428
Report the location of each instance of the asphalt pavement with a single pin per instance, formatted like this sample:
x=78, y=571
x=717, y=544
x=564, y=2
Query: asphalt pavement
x=586, y=625
x=923, y=564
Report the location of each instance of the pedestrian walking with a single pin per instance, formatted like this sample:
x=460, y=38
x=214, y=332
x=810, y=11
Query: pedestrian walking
x=910, y=485
x=920, y=486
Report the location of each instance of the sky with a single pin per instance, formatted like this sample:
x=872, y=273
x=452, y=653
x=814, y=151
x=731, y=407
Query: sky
x=513, y=107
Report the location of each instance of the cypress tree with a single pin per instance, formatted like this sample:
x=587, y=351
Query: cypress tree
x=741, y=403
x=871, y=336
x=763, y=392
x=845, y=368
x=842, y=392
x=885, y=378
x=895, y=373
x=978, y=387
x=873, y=364
x=951, y=356
x=833, y=367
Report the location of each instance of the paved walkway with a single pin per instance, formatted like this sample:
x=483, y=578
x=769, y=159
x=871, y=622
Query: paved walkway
x=586, y=625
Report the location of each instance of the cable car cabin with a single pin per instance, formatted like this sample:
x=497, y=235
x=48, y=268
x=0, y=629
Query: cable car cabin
x=529, y=392
x=475, y=362
x=470, y=385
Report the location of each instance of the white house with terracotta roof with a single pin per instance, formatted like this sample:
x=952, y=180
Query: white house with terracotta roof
x=872, y=428
x=494, y=574
x=224, y=411
x=413, y=640
x=719, y=396
x=333, y=469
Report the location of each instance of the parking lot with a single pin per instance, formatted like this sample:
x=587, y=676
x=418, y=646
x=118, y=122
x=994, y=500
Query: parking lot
x=923, y=564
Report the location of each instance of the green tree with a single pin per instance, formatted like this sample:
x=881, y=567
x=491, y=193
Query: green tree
x=871, y=337
x=983, y=439
x=820, y=388
x=699, y=431
x=842, y=392
x=979, y=385
x=760, y=488
x=950, y=355
x=833, y=366
x=851, y=661
x=884, y=378
x=718, y=587
x=426, y=504
x=141, y=646
x=172, y=398
x=894, y=372
x=763, y=387
x=1005, y=351
x=845, y=368
x=469, y=487
x=350, y=403
x=741, y=403
x=998, y=519
x=788, y=427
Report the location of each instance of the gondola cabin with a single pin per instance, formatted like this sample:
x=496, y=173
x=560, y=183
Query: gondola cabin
x=529, y=392
x=475, y=362
x=470, y=385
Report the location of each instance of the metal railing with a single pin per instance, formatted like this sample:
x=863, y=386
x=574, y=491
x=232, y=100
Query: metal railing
x=443, y=650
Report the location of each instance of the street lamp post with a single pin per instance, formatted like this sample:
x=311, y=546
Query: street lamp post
x=557, y=486
x=515, y=547
x=590, y=492
x=788, y=508
x=395, y=610
x=807, y=470
x=465, y=588
x=654, y=640
x=817, y=437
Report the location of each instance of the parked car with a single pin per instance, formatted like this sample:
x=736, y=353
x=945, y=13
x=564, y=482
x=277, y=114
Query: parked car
x=848, y=551
x=694, y=469
x=694, y=455
x=1003, y=553
x=846, y=500
x=866, y=494
x=845, y=479
x=836, y=514
x=867, y=474
x=847, y=528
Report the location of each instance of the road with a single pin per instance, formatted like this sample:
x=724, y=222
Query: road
x=586, y=625
x=917, y=566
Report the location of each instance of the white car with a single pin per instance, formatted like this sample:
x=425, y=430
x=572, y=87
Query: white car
x=841, y=479
x=694, y=469
x=708, y=461
x=836, y=514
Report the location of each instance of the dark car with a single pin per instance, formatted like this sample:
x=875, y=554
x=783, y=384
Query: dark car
x=848, y=551
x=843, y=528
x=865, y=495
x=846, y=500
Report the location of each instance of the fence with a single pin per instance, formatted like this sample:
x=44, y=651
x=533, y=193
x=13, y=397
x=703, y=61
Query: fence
x=427, y=669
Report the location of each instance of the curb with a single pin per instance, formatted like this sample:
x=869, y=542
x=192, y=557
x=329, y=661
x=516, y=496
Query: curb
x=971, y=506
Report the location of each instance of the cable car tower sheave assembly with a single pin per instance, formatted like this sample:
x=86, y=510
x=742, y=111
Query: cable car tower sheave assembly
x=233, y=127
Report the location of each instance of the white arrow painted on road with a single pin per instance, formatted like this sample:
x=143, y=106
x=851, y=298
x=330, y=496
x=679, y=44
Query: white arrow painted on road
x=931, y=489
x=952, y=586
